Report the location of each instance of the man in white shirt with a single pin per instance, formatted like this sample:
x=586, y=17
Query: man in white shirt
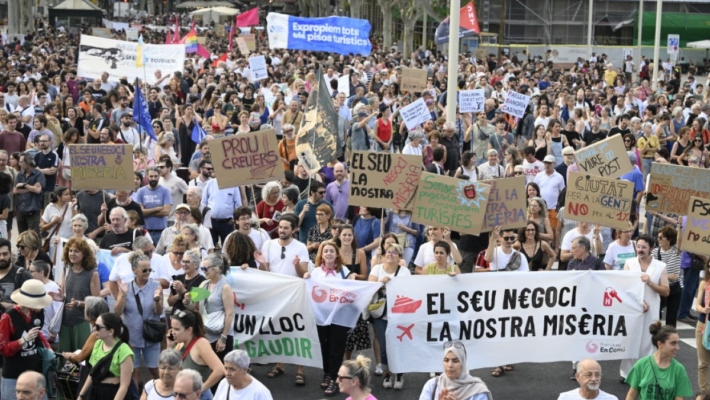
x=551, y=183
x=531, y=165
x=244, y=219
x=589, y=376
x=128, y=134
x=160, y=265
x=285, y=255
x=175, y=185
x=504, y=257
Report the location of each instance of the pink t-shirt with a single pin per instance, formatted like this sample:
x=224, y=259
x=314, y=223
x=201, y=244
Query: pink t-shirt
x=370, y=397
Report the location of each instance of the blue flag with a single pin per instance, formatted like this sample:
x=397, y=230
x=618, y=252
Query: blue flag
x=198, y=134
x=140, y=112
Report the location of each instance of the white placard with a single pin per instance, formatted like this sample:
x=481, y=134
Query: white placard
x=344, y=85
x=515, y=317
x=132, y=33
x=257, y=65
x=673, y=43
x=415, y=114
x=471, y=100
x=515, y=104
x=118, y=58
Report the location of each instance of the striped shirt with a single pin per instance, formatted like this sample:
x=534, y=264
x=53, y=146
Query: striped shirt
x=672, y=260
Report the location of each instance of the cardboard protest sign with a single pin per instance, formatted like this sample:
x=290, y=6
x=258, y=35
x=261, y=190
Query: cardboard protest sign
x=415, y=114
x=507, y=204
x=696, y=233
x=102, y=32
x=101, y=166
x=451, y=203
x=471, y=100
x=250, y=41
x=132, y=33
x=246, y=159
x=383, y=180
x=597, y=200
x=607, y=158
x=413, y=80
x=242, y=45
x=671, y=187
x=219, y=30
x=316, y=143
x=202, y=40
x=257, y=64
x=515, y=104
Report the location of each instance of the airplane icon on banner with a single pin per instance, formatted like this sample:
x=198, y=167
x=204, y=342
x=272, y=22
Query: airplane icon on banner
x=406, y=331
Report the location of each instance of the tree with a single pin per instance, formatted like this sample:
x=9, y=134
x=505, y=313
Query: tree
x=356, y=8
x=20, y=17
x=410, y=10
x=386, y=7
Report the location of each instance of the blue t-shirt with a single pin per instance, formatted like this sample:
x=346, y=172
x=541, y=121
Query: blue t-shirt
x=635, y=177
x=309, y=219
x=366, y=231
x=151, y=199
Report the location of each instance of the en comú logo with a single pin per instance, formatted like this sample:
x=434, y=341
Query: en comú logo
x=335, y=296
x=592, y=347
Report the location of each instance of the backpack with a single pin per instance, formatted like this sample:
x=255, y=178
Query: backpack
x=481, y=260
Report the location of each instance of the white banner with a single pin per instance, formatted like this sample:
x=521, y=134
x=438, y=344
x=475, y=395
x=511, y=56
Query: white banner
x=514, y=317
x=471, y=100
x=118, y=58
x=414, y=114
x=515, y=104
x=132, y=33
x=273, y=318
x=340, y=301
x=343, y=85
x=257, y=64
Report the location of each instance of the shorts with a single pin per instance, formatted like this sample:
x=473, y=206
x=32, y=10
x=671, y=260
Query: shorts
x=150, y=353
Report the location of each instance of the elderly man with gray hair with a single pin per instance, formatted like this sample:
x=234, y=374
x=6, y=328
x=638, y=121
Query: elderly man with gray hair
x=589, y=376
x=31, y=385
x=238, y=383
x=188, y=385
x=122, y=271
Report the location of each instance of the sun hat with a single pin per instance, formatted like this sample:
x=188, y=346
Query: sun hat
x=32, y=295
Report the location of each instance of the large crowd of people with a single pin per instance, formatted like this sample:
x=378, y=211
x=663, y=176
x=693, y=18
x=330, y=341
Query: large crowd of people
x=178, y=230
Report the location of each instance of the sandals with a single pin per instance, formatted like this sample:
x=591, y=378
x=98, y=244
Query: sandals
x=275, y=372
x=300, y=379
x=509, y=367
x=498, y=371
x=332, y=389
x=326, y=381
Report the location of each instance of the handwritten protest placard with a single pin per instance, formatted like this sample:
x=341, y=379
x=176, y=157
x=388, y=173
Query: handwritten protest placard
x=101, y=166
x=102, y=32
x=414, y=114
x=597, y=200
x=671, y=187
x=696, y=233
x=515, y=104
x=132, y=33
x=413, y=80
x=383, y=180
x=452, y=203
x=250, y=41
x=257, y=64
x=606, y=158
x=219, y=30
x=471, y=100
x=246, y=159
x=507, y=204
x=242, y=45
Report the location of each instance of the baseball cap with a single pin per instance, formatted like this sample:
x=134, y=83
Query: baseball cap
x=550, y=159
x=182, y=207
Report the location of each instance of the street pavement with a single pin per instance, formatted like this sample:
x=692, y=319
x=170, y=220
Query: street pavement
x=527, y=381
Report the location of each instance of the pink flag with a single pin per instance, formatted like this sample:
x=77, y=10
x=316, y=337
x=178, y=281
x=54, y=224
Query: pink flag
x=248, y=18
x=231, y=37
x=176, y=32
x=167, y=37
x=203, y=52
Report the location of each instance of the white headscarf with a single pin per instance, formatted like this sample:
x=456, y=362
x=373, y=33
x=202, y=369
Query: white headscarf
x=465, y=386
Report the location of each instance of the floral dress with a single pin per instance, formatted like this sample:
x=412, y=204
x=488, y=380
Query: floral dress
x=358, y=337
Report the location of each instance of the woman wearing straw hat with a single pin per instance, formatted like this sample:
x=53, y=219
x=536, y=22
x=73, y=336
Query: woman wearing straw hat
x=20, y=335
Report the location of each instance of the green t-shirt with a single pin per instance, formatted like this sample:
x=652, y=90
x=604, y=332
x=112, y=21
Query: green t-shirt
x=655, y=383
x=121, y=354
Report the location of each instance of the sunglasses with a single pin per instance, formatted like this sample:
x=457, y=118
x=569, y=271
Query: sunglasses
x=321, y=192
x=98, y=327
x=509, y=238
x=179, y=395
x=341, y=377
x=179, y=314
x=519, y=173
x=21, y=246
x=146, y=270
x=179, y=254
x=205, y=269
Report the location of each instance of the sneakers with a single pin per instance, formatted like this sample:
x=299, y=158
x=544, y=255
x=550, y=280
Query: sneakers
x=387, y=383
x=378, y=370
x=399, y=382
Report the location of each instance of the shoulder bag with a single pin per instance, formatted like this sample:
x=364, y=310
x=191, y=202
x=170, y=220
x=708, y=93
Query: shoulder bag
x=47, y=241
x=706, y=331
x=378, y=304
x=153, y=331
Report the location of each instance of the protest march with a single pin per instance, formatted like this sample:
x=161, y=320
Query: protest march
x=181, y=200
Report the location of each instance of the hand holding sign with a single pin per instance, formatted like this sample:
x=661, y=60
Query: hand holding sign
x=471, y=100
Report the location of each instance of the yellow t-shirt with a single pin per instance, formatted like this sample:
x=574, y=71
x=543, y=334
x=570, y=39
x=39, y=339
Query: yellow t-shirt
x=653, y=145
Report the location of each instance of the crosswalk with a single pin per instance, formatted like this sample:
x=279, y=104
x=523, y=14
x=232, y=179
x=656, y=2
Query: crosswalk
x=687, y=334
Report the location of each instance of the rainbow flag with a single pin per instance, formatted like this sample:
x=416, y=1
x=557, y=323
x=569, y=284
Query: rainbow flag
x=190, y=42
